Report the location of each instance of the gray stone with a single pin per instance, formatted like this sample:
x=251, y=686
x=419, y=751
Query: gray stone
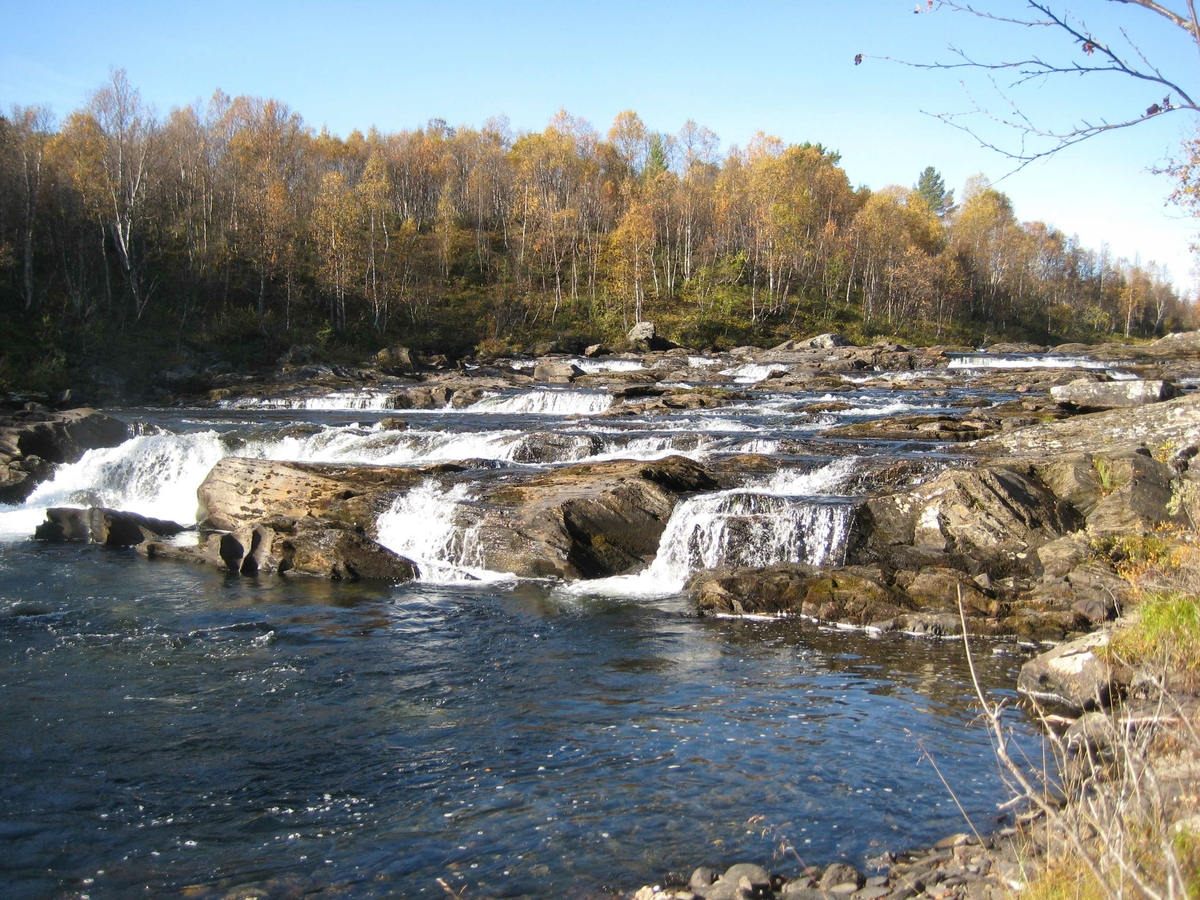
x=1071, y=675
x=642, y=332
x=396, y=360
x=840, y=874
x=556, y=371
x=1101, y=395
x=111, y=527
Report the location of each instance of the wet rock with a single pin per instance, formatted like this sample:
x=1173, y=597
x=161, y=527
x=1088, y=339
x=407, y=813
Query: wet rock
x=286, y=545
x=239, y=492
x=550, y=446
x=943, y=588
x=853, y=595
x=583, y=521
x=33, y=443
x=1072, y=676
x=1091, y=395
x=98, y=525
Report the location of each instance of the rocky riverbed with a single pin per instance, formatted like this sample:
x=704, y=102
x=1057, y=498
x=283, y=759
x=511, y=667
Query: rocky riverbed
x=980, y=501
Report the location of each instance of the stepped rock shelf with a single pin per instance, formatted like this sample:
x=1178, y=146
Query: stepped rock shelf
x=869, y=488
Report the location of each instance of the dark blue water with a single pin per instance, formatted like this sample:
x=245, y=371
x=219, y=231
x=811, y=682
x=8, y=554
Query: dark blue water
x=169, y=731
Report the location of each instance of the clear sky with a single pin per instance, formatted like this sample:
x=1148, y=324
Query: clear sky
x=785, y=67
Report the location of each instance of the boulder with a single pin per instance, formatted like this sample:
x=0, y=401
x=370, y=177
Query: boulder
x=1071, y=675
x=582, y=521
x=34, y=442
x=983, y=519
x=1173, y=423
x=940, y=588
x=98, y=525
x=396, y=360
x=553, y=371
x=1098, y=395
x=553, y=447
x=1135, y=495
x=644, y=336
x=286, y=545
x=240, y=492
x=642, y=332
x=829, y=341
x=594, y=350
x=852, y=595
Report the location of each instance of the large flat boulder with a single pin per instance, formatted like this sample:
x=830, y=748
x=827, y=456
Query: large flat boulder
x=241, y=492
x=1098, y=395
x=583, y=521
x=1173, y=423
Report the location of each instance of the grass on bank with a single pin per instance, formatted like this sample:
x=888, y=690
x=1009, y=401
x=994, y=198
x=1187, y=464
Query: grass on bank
x=1132, y=828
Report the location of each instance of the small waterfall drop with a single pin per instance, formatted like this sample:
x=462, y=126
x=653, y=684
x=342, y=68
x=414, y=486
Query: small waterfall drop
x=422, y=526
x=542, y=402
x=753, y=373
x=332, y=402
x=156, y=475
x=791, y=517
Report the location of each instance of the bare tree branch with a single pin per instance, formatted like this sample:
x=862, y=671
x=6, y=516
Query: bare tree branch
x=1035, y=142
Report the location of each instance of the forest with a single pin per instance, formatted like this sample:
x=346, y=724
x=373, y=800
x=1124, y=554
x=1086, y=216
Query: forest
x=233, y=230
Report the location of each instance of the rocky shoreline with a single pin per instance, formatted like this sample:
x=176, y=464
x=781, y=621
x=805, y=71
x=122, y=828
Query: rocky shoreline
x=1008, y=544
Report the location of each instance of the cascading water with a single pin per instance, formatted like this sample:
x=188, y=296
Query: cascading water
x=791, y=517
x=156, y=475
x=337, y=400
x=752, y=373
x=543, y=402
x=422, y=526
x=1032, y=361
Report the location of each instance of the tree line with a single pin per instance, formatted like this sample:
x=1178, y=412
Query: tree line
x=233, y=224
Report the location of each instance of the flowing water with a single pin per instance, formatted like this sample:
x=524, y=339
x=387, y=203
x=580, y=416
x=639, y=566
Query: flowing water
x=172, y=731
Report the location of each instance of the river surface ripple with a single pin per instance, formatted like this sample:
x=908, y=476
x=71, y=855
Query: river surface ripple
x=172, y=731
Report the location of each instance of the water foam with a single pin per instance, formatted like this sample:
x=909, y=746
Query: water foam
x=1034, y=361
x=752, y=373
x=791, y=517
x=332, y=402
x=543, y=402
x=423, y=526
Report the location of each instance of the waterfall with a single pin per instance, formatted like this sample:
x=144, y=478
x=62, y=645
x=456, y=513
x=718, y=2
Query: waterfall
x=543, y=402
x=423, y=526
x=332, y=402
x=790, y=517
x=752, y=373
x=1032, y=361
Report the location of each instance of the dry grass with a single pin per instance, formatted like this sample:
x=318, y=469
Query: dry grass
x=1118, y=819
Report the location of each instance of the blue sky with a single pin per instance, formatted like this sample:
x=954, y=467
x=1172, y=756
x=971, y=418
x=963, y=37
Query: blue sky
x=782, y=67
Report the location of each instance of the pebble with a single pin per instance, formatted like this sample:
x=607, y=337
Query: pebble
x=957, y=867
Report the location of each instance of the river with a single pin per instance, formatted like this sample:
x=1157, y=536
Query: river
x=173, y=731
